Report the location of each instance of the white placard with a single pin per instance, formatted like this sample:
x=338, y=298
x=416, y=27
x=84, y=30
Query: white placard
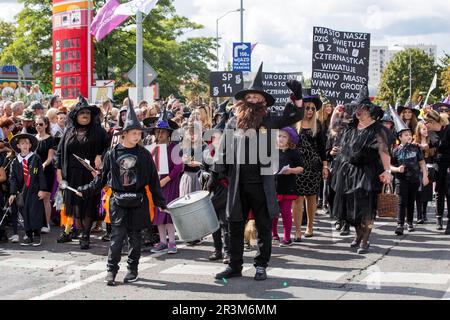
x=160, y=157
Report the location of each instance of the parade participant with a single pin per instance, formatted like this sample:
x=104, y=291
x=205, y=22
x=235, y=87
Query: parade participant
x=324, y=117
x=37, y=108
x=388, y=122
x=27, y=185
x=85, y=138
x=129, y=170
x=290, y=166
x=46, y=150
x=410, y=169
x=438, y=124
x=409, y=116
x=219, y=194
x=312, y=149
x=339, y=121
x=359, y=168
x=251, y=186
x=162, y=128
x=425, y=194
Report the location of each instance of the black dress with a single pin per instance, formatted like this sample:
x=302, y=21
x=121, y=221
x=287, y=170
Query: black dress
x=86, y=143
x=312, y=151
x=356, y=173
x=42, y=150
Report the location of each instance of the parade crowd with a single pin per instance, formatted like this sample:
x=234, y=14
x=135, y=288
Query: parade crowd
x=332, y=157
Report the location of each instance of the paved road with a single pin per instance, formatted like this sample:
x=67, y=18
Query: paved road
x=414, y=266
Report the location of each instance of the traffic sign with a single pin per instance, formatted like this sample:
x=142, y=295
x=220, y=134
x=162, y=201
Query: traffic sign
x=242, y=56
x=150, y=74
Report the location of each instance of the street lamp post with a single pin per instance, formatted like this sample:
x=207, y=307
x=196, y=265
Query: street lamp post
x=217, y=33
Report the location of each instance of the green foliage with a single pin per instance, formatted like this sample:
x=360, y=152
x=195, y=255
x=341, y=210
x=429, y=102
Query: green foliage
x=394, y=84
x=7, y=34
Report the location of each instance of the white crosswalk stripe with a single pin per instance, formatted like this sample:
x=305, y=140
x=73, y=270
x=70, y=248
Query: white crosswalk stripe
x=305, y=274
x=197, y=269
x=34, y=263
x=406, y=277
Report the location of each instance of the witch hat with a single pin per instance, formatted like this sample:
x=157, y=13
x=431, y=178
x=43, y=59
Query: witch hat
x=83, y=104
x=324, y=98
x=400, y=126
x=161, y=122
x=222, y=107
x=257, y=87
x=131, y=122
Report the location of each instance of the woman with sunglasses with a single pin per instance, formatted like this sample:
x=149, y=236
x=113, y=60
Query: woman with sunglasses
x=46, y=151
x=312, y=150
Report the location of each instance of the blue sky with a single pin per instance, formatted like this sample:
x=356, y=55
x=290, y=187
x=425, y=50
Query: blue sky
x=283, y=28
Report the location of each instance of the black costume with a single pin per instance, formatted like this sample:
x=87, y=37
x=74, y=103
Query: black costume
x=131, y=174
x=42, y=151
x=249, y=189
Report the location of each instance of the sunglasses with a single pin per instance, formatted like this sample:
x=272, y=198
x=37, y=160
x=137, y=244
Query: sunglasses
x=443, y=110
x=40, y=124
x=310, y=108
x=84, y=112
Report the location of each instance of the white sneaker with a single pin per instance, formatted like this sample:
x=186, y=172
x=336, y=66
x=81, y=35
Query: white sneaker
x=45, y=230
x=14, y=238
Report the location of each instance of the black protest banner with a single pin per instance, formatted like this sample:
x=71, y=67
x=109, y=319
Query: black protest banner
x=340, y=63
x=275, y=84
x=225, y=84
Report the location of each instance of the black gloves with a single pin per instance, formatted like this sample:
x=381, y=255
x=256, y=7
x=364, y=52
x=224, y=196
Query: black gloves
x=296, y=88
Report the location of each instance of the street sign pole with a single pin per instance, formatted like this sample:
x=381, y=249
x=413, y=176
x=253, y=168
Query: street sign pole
x=139, y=58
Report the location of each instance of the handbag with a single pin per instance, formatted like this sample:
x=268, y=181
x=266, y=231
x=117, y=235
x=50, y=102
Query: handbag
x=388, y=202
x=128, y=199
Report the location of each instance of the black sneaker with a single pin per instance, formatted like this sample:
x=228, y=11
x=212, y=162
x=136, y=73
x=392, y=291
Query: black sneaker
x=106, y=237
x=399, y=230
x=226, y=259
x=217, y=255
x=345, y=230
x=421, y=221
x=355, y=243
x=228, y=273
x=64, y=237
x=84, y=243
x=27, y=242
x=439, y=223
x=37, y=241
x=110, y=279
x=131, y=276
x=338, y=226
x=260, y=274
x=410, y=227
x=364, y=248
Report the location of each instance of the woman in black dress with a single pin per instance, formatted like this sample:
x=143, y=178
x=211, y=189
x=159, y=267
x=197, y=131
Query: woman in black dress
x=312, y=150
x=46, y=150
x=85, y=138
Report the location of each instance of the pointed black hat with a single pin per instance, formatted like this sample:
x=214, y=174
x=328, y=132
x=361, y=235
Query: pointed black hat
x=225, y=116
x=309, y=97
x=83, y=104
x=257, y=87
x=408, y=106
x=400, y=126
x=131, y=122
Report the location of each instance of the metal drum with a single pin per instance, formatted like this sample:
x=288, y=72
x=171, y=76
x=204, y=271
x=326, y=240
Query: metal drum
x=193, y=216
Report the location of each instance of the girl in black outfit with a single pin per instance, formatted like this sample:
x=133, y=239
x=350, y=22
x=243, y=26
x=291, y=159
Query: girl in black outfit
x=85, y=138
x=424, y=138
x=46, y=150
x=438, y=124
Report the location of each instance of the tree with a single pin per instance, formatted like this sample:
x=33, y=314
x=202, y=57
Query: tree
x=175, y=61
x=394, y=86
x=32, y=41
x=7, y=34
x=445, y=75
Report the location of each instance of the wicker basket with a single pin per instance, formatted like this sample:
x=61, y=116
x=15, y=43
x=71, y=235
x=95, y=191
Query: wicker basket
x=388, y=202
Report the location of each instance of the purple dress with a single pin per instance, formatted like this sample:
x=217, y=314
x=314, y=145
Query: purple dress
x=171, y=190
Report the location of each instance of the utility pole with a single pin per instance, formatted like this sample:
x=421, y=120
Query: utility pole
x=242, y=21
x=139, y=59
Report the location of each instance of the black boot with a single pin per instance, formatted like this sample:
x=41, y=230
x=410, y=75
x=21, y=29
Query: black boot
x=439, y=223
x=84, y=243
x=345, y=230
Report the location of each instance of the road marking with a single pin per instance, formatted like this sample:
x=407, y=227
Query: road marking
x=34, y=263
x=446, y=295
x=306, y=274
x=101, y=266
x=405, y=277
x=79, y=284
x=197, y=269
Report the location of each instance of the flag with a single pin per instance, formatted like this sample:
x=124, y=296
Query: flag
x=106, y=20
x=132, y=7
x=432, y=87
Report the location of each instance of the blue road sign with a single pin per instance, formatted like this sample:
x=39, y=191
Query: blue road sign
x=242, y=56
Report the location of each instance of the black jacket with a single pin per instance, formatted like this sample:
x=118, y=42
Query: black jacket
x=134, y=218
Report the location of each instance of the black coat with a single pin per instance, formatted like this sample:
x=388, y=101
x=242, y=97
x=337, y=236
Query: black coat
x=291, y=115
x=147, y=175
x=33, y=212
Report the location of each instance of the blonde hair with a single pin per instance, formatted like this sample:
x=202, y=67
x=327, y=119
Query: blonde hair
x=324, y=118
x=313, y=120
x=427, y=152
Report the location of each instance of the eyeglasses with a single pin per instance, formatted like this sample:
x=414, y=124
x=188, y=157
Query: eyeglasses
x=40, y=124
x=310, y=108
x=85, y=112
